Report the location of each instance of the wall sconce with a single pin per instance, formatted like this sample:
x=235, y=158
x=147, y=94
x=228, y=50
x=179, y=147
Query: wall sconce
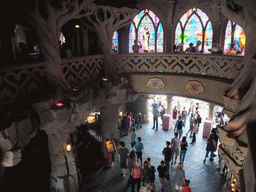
x=91, y=119
x=110, y=146
x=69, y=147
x=59, y=104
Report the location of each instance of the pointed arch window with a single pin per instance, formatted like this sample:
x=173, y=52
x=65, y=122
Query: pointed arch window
x=147, y=29
x=234, y=39
x=194, y=26
x=115, y=42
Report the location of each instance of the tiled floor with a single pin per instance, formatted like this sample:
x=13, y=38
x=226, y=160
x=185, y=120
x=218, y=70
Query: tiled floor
x=204, y=177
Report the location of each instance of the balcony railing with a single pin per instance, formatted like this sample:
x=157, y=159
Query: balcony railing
x=204, y=64
x=18, y=82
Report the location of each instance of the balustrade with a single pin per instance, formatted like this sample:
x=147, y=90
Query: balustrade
x=17, y=82
x=223, y=66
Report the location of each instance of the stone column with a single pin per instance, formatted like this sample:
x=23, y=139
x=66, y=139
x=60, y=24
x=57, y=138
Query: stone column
x=169, y=104
x=109, y=125
x=64, y=176
x=217, y=36
x=211, y=112
x=169, y=28
x=123, y=39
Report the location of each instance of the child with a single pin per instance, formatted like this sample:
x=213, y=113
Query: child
x=140, y=121
x=145, y=187
x=133, y=137
x=186, y=186
x=162, y=174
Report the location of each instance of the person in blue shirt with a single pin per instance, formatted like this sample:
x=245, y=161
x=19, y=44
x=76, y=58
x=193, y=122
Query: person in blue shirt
x=139, y=148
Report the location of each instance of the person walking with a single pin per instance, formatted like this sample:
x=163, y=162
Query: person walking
x=179, y=177
x=210, y=147
x=175, y=144
x=195, y=131
x=162, y=174
x=136, y=175
x=122, y=155
x=130, y=165
x=178, y=126
x=184, y=115
x=183, y=148
x=162, y=112
x=139, y=121
x=146, y=173
x=155, y=118
x=139, y=148
x=133, y=137
x=191, y=123
x=174, y=113
x=128, y=123
x=167, y=152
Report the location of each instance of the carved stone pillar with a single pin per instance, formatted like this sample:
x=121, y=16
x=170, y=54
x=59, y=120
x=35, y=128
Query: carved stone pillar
x=109, y=117
x=64, y=176
x=217, y=33
x=123, y=39
x=169, y=104
x=170, y=27
x=211, y=111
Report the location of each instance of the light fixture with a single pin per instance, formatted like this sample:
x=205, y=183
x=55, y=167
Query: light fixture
x=233, y=185
x=75, y=89
x=121, y=113
x=122, y=79
x=59, y=104
x=69, y=147
x=77, y=26
x=91, y=119
x=110, y=146
x=234, y=180
x=104, y=79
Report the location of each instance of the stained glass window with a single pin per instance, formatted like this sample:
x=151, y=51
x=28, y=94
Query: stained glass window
x=148, y=31
x=115, y=42
x=234, y=33
x=194, y=26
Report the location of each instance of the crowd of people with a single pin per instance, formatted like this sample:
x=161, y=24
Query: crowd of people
x=142, y=173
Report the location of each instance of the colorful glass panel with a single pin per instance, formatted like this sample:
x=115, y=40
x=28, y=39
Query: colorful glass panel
x=146, y=23
x=203, y=16
x=208, y=38
x=132, y=37
x=193, y=31
x=239, y=39
x=115, y=42
x=160, y=39
x=178, y=35
x=228, y=34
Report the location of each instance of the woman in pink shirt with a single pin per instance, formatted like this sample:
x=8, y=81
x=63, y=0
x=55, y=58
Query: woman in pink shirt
x=136, y=175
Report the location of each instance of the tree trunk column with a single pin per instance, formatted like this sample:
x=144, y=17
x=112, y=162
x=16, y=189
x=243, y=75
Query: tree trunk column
x=64, y=176
x=211, y=109
x=109, y=122
x=169, y=104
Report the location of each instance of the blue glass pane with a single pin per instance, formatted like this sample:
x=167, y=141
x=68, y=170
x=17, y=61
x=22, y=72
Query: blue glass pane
x=115, y=42
x=208, y=38
x=160, y=39
x=178, y=35
x=132, y=37
x=227, y=42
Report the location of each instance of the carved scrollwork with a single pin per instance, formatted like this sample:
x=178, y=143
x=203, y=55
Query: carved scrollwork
x=212, y=65
x=81, y=69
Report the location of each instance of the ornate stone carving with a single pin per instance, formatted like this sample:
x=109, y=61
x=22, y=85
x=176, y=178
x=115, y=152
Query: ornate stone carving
x=195, y=87
x=155, y=84
x=212, y=65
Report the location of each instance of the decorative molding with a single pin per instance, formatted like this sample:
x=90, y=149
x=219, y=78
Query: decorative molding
x=195, y=87
x=155, y=84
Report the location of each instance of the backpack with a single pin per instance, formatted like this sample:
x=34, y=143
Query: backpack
x=183, y=113
x=179, y=124
x=199, y=119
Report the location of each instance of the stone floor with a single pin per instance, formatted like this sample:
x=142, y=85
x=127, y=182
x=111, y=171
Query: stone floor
x=204, y=177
